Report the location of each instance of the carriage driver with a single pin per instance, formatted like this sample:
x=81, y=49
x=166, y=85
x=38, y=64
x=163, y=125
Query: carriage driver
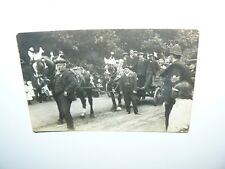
x=63, y=91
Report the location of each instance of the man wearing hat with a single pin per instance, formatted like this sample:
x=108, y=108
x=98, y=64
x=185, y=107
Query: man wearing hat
x=127, y=60
x=128, y=85
x=141, y=69
x=172, y=75
x=63, y=91
x=152, y=68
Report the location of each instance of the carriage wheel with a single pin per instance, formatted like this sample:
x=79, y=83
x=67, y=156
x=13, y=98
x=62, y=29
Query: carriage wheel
x=157, y=99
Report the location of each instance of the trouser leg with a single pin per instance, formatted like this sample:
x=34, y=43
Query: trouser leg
x=134, y=103
x=66, y=104
x=127, y=101
x=59, y=108
x=168, y=108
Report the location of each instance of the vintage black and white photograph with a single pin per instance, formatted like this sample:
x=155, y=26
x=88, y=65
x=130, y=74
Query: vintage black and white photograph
x=109, y=79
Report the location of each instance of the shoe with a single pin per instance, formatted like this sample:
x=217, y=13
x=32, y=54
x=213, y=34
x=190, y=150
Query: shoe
x=71, y=128
x=60, y=122
x=137, y=113
x=92, y=115
x=113, y=108
x=128, y=112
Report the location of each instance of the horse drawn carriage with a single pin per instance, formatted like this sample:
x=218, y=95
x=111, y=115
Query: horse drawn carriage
x=154, y=90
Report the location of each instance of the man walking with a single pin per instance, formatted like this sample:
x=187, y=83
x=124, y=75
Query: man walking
x=63, y=91
x=128, y=85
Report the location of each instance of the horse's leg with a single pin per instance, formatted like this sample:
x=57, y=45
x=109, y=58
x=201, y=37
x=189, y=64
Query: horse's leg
x=113, y=101
x=36, y=94
x=119, y=101
x=90, y=100
x=81, y=95
x=40, y=95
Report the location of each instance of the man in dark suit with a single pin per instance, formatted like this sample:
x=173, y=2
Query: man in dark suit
x=141, y=69
x=63, y=91
x=128, y=85
x=152, y=67
x=172, y=75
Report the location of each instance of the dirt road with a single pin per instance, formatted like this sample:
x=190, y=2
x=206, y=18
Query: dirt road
x=44, y=117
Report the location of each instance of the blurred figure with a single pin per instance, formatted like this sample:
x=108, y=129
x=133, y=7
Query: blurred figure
x=28, y=93
x=180, y=116
x=172, y=75
x=127, y=60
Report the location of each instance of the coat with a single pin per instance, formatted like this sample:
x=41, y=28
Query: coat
x=141, y=67
x=177, y=69
x=65, y=82
x=128, y=82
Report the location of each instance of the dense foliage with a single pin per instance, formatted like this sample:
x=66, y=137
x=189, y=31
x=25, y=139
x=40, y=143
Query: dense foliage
x=91, y=46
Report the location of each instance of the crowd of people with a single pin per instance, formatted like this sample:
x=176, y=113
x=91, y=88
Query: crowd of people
x=134, y=72
x=177, y=89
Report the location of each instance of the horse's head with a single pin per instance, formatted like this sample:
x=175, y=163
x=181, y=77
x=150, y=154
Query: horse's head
x=39, y=67
x=110, y=70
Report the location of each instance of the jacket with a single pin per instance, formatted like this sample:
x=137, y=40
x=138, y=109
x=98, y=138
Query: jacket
x=128, y=82
x=65, y=82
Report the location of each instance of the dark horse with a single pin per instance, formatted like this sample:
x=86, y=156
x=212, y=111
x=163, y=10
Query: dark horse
x=39, y=79
x=84, y=87
x=112, y=86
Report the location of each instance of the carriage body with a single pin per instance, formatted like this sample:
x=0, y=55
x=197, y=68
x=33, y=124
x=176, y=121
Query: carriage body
x=154, y=90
